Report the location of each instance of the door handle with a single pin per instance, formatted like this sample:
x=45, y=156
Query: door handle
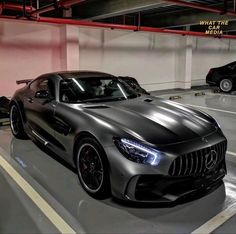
x=30, y=100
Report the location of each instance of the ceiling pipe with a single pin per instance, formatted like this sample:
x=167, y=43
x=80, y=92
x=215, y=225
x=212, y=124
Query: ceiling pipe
x=121, y=27
x=56, y=5
x=11, y=17
x=15, y=7
x=128, y=27
x=201, y=7
x=86, y=23
x=42, y=10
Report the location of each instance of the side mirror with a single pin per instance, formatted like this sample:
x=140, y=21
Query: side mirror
x=42, y=94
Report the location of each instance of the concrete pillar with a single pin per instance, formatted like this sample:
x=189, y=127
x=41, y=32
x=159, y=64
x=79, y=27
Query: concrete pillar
x=188, y=63
x=70, y=47
x=183, y=63
x=67, y=13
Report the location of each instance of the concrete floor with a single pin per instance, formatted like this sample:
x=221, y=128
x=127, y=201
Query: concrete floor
x=59, y=186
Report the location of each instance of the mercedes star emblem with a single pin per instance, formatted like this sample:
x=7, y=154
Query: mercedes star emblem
x=211, y=159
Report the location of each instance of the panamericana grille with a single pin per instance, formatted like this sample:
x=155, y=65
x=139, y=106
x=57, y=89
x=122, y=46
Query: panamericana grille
x=194, y=163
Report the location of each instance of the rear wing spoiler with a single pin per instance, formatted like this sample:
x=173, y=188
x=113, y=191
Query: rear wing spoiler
x=27, y=81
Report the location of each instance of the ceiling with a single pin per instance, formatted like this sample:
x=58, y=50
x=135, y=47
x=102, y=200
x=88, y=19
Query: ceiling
x=151, y=13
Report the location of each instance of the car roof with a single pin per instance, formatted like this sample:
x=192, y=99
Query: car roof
x=79, y=74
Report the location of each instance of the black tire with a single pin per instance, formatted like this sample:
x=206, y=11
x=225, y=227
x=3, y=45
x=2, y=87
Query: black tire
x=226, y=85
x=92, y=168
x=17, y=127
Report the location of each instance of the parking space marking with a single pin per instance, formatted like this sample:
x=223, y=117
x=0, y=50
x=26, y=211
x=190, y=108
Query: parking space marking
x=216, y=221
x=231, y=153
x=209, y=108
x=173, y=94
x=207, y=92
x=41, y=203
x=221, y=94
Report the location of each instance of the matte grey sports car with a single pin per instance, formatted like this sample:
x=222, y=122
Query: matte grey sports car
x=136, y=147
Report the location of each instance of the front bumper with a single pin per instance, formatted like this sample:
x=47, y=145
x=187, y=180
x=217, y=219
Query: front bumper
x=211, y=82
x=137, y=182
x=210, y=79
x=167, y=189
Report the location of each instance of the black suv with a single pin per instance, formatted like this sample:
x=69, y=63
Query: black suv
x=224, y=77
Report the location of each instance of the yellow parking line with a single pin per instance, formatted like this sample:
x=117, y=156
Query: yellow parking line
x=47, y=210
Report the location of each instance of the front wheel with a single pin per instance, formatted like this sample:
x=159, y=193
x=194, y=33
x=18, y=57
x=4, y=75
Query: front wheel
x=92, y=168
x=17, y=127
x=226, y=85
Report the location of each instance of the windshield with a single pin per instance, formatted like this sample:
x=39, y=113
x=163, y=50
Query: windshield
x=95, y=89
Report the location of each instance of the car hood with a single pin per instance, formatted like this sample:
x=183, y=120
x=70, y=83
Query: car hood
x=154, y=120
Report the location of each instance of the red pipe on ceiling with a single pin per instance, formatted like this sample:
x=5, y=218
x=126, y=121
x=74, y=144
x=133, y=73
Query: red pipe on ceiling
x=43, y=10
x=128, y=27
x=15, y=7
x=200, y=7
x=86, y=23
x=51, y=7
x=121, y=27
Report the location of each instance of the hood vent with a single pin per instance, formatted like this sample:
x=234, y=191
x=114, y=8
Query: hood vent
x=148, y=100
x=96, y=107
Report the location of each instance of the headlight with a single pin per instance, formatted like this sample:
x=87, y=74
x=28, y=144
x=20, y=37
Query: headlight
x=137, y=152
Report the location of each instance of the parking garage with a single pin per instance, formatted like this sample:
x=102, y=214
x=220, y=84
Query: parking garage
x=165, y=47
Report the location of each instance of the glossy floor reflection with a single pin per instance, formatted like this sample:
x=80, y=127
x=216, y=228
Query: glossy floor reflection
x=59, y=185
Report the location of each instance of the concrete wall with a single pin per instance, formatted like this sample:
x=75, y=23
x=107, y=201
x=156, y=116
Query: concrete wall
x=149, y=57
x=27, y=50
x=158, y=61
x=209, y=53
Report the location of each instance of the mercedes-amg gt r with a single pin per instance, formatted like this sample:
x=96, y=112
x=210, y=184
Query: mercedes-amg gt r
x=135, y=147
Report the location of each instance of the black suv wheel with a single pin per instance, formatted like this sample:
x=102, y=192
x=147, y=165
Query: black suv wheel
x=226, y=85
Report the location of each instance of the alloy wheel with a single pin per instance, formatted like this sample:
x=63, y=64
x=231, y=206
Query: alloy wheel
x=14, y=120
x=226, y=85
x=90, y=168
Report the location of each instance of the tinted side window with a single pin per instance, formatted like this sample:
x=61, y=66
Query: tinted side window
x=34, y=85
x=43, y=84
